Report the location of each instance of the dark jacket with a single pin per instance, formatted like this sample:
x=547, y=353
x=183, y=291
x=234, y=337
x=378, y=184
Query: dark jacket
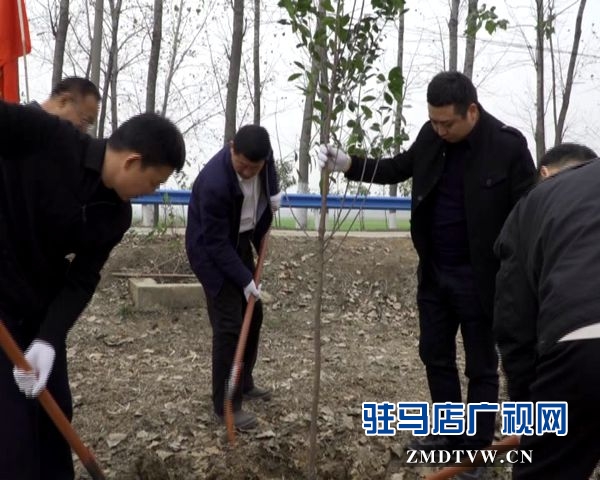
x=547, y=282
x=497, y=172
x=52, y=204
x=214, y=215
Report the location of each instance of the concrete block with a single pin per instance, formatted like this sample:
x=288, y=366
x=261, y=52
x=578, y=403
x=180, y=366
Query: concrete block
x=147, y=294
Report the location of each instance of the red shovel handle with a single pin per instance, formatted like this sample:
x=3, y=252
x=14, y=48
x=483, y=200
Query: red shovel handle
x=238, y=359
x=14, y=353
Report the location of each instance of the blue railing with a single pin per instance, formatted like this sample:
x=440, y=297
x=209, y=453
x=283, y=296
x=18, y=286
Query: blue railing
x=292, y=200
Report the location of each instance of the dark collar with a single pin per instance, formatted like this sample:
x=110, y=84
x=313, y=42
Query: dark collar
x=94, y=156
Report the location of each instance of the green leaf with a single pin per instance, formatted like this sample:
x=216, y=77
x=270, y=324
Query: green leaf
x=294, y=76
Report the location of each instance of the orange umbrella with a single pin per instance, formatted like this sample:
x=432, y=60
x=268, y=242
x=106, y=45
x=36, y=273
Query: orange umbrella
x=14, y=43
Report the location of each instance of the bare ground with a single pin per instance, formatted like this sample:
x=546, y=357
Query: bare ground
x=141, y=380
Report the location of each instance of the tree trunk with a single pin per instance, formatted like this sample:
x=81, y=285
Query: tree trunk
x=305, y=135
x=392, y=224
x=453, y=36
x=560, y=126
x=97, y=47
x=540, y=131
x=154, y=57
x=471, y=38
x=172, y=59
x=60, y=42
x=256, y=59
x=115, y=15
x=235, y=63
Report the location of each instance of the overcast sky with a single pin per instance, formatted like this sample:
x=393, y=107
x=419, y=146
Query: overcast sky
x=503, y=73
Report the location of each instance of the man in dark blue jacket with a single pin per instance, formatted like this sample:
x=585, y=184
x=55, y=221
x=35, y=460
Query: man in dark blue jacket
x=62, y=194
x=231, y=208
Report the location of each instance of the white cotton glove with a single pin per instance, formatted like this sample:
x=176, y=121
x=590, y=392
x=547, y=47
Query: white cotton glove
x=275, y=202
x=251, y=289
x=333, y=158
x=40, y=355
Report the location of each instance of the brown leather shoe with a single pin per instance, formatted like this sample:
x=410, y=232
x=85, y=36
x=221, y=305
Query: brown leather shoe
x=257, y=393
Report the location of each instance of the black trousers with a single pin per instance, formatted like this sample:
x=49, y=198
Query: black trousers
x=226, y=313
x=31, y=448
x=448, y=300
x=567, y=372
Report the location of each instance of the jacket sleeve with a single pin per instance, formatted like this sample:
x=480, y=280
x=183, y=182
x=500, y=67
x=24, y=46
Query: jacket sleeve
x=522, y=167
x=515, y=311
x=214, y=207
x=82, y=278
x=382, y=171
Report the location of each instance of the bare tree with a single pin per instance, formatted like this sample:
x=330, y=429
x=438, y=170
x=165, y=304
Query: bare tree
x=453, y=36
x=154, y=56
x=398, y=119
x=540, y=129
x=97, y=45
x=471, y=37
x=568, y=87
x=256, y=61
x=60, y=41
x=235, y=62
x=111, y=70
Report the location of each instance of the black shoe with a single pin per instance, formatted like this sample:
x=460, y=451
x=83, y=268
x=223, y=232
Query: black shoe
x=242, y=420
x=256, y=393
x=431, y=442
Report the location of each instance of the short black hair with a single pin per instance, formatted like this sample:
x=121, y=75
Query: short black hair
x=452, y=88
x=565, y=153
x=253, y=142
x=77, y=85
x=155, y=138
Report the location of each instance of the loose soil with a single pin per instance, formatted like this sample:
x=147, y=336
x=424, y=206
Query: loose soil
x=141, y=380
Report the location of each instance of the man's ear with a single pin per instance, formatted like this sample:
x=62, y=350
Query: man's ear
x=131, y=160
x=545, y=172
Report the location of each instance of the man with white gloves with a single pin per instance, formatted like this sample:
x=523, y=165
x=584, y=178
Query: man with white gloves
x=64, y=205
x=468, y=169
x=231, y=208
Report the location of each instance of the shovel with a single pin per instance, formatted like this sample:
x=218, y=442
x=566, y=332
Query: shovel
x=63, y=425
x=238, y=359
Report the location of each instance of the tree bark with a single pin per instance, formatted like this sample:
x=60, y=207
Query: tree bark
x=97, y=47
x=256, y=60
x=172, y=59
x=235, y=63
x=540, y=130
x=60, y=42
x=392, y=224
x=453, y=36
x=111, y=71
x=566, y=98
x=154, y=56
x=471, y=38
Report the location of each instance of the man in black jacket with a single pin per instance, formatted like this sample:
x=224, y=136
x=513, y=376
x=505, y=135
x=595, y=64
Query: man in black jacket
x=62, y=194
x=468, y=170
x=547, y=310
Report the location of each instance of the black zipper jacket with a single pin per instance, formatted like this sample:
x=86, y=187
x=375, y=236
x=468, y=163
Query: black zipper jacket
x=53, y=204
x=547, y=282
x=497, y=171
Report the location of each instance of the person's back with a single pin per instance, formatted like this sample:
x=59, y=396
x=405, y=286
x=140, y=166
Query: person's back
x=560, y=224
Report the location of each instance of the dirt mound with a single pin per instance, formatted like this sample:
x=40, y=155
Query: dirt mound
x=141, y=380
